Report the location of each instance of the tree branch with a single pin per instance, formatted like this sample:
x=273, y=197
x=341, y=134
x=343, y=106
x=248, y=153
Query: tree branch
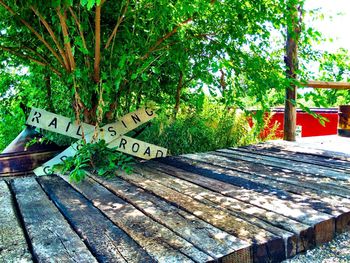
x=35, y=53
x=120, y=20
x=34, y=32
x=165, y=37
x=53, y=36
x=206, y=36
x=62, y=17
x=169, y=34
x=81, y=33
x=97, y=43
x=15, y=52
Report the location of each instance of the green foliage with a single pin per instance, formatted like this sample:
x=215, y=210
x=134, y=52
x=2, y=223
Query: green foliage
x=212, y=127
x=170, y=52
x=332, y=67
x=12, y=117
x=41, y=140
x=97, y=156
x=154, y=41
x=11, y=124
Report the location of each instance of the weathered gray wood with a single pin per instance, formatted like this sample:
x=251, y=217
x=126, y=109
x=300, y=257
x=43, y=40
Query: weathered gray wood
x=272, y=177
x=306, y=233
x=236, y=208
x=8, y=179
x=288, y=174
x=52, y=238
x=265, y=149
x=253, y=193
x=297, y=182
x=159, y=242
x=13, y=245
x=316, y=171
x=106, y=241
x=297, y=192
x=213, y=241
x=266, y=246
x=313, y=148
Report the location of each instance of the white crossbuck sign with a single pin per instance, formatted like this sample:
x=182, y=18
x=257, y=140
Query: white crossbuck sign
x=112, y=133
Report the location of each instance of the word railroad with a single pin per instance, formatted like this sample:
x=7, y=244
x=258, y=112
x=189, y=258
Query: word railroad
x=112, y=133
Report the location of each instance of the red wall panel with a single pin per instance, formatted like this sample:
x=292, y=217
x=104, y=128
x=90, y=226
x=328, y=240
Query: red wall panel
x=310, y=125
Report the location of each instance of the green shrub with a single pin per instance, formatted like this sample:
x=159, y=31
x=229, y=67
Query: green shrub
x=96, y=156
x=213, y=127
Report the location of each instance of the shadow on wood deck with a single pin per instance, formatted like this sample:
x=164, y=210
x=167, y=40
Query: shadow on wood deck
x=261, y=203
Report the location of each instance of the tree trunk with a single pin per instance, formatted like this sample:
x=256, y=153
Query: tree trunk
x=47, y=79
x=291, y=60
x=178, y=94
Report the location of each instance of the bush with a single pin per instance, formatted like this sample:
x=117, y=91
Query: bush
x=99, y=157
x=211, y=128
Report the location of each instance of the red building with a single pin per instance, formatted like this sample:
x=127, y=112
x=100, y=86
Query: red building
x=310, y=126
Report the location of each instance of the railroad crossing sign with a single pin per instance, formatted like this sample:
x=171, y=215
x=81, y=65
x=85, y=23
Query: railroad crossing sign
x=112, y=133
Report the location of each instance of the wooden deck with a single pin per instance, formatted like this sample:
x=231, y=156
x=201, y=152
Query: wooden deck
x=261, y=203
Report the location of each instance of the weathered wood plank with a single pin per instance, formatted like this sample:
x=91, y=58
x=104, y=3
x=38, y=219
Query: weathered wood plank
x=289, y=154
x=316, y=191
x=266, y=246
x=304, y=231
x=52, y=238
x=234, y=207
x=282, y=173
x=213, y=241
x=316, y=171
x=278, y=178
x=297, y=192
x=305, y=148
x=13, y=245
x=106, y=241
x=159, y=242
x=254, y=194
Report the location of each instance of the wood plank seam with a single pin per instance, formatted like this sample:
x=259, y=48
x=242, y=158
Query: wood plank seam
x=19, y=221
x=309, y=179
x=298, y=156
x=237, y=212
x=298, y=166
x=109, y=185
x=298, y=159
x=79, y=211
x=50, y=234
x=262, y=247
x=324, y=219
x=339, y=207
x=165, y=239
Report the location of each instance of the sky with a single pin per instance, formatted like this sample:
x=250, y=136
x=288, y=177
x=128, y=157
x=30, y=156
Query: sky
x=335, y=24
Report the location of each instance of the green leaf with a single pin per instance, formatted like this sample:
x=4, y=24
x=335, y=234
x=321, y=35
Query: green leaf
x=90, y=4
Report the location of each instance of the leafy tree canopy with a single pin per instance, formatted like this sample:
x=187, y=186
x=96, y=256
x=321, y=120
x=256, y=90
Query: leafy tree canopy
x=110, y=56
x=98, y=59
